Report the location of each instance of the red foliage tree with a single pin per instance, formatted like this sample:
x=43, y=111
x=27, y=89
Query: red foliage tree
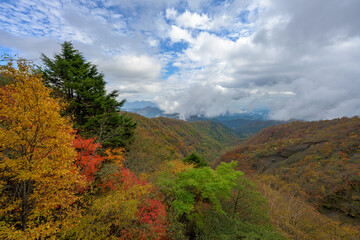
x=87, y=158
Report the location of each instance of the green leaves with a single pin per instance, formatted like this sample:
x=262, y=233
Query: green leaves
x=196, y=160
x=201, y=185
x=96, y=113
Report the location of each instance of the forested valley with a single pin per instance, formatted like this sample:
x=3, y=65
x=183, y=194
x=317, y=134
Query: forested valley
x=73, y=165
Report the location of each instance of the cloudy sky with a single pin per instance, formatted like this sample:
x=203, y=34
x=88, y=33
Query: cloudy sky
x=299, y=59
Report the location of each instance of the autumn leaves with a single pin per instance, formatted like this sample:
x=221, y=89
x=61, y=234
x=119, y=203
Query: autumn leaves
x=37, y=171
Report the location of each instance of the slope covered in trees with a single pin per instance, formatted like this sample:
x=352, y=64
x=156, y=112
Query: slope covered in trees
x=163, y=139
x=322, y=158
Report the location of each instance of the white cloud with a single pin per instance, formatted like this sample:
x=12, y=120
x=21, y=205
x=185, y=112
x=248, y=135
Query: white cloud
x=171, y=13
x=207, y=100
x=193, y=20
x=177, y=34
x=130, y=68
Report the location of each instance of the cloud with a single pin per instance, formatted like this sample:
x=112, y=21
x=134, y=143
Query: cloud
x=193, y=20
x=130, y=68
x=177, y=34
x=207, y=100
x=298, y=58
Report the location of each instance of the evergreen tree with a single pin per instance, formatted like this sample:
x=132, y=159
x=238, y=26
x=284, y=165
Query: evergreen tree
x=95, y=112
x=196, y=160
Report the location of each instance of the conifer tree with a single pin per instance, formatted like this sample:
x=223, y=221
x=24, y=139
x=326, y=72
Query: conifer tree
x=96, y=113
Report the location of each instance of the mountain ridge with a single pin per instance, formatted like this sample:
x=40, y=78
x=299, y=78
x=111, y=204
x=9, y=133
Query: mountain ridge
x=163, y=139
x=322, y=157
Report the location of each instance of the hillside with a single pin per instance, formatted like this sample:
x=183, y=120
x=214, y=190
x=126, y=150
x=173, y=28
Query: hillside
x=161, y=139
x=322, y=157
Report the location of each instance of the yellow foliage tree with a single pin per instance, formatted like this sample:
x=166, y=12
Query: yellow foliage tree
x=38, y=179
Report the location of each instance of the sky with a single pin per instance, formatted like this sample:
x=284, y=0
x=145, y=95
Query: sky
x=298, y=59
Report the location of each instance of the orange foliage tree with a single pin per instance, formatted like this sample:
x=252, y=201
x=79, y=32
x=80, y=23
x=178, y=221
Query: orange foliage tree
x=37, y=172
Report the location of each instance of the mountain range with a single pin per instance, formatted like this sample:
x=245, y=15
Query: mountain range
x=162, y=139
x=244, y=124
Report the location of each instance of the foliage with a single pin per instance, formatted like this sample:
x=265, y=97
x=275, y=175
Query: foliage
x=158, y=140
x=95, y=112
x=129, y=209
x=87, y=158
x=201, y=197
x=322, y=157
x=37, y=176
x=295, y=217
x=196, y=160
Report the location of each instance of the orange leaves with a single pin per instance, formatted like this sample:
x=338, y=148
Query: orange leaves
x=115, y=156
x=36, y=157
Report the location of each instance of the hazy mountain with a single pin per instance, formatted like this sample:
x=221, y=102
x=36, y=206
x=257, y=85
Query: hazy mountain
x=139, y=105
x=244, y=124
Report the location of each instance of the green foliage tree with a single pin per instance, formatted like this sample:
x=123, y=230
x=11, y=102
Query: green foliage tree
x=96, y=113
x=196, y=160
x=217, y=204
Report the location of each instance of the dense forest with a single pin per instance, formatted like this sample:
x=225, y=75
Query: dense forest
x=319, y=161
x=74, y=166
x=162, y=139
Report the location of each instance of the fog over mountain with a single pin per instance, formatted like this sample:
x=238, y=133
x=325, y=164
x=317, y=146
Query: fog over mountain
x=300, y=59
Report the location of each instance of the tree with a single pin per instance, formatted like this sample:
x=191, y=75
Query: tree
x=38, y=178
x=130, y=209
x=96, y=113
x=217, y=204
x=196, y=160
x=87, y=158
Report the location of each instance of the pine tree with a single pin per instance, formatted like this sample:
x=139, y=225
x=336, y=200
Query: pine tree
x=96, y=113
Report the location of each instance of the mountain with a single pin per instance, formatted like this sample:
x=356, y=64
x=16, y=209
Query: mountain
x=321, y=157
x=244, y=124
x=251, y=127
x=162, y=139
x=149, y=112
x=139, y=105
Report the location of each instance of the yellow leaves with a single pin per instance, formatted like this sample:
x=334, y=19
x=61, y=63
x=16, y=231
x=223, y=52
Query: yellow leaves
x=36, y=157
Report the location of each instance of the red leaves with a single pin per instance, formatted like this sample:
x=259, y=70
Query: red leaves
x=150, y=224
x=87, y=158
x=153, y=215
x=129, y=179
x=150, y=220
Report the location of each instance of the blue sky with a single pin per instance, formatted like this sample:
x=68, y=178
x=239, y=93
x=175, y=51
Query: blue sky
x=297, y=58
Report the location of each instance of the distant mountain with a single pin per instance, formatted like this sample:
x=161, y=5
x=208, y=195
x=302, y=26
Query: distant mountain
x=244, y=124
x=139, y=105
x=321, y=157
x=149, y=112
x=163, y=139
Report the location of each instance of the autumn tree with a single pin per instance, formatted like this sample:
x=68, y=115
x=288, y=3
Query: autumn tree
x=37, y=172
x=96, y=113
x=128, y=209
x=88, y=159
